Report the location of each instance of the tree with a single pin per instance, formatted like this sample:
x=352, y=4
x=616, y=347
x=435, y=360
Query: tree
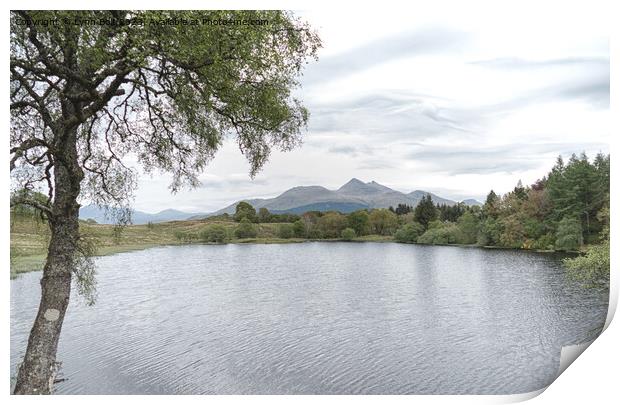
x=245, y=210
x=245, y=229
x=513, y=234
x=83, y=96
x=580, y=189
x=403, y=209
x=264, y=215
x=425, y=211
x=491, y=205
x=490, y=232
x=331, y=224
x=468, y=225
x=383, y=222
x=593, y=267
x=569, y=234
x=359, y=221
x=348, y=234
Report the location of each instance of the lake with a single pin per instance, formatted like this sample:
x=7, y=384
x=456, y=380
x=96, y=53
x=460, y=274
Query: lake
x=317, y=318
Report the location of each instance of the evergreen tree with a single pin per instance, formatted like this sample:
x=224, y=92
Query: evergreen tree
x=425, y=211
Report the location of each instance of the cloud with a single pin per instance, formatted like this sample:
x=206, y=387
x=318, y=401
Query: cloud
x=519, y=63
x=381, y=51
x=575, y=78
x=509, y=158
x=592, y=90
x=233, y=181
x=390, y=116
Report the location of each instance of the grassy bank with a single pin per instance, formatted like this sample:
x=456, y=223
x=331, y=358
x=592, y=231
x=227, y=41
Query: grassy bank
x=30, y=237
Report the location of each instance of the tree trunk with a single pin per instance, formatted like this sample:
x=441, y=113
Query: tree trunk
x=37, y=372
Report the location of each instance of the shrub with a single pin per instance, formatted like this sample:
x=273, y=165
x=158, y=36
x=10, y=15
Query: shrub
x=186, y=236
x=245, y=229
x=315, y=233
x=299, y=229
x=546, y=242
x=348, y=234
x=409, y=232
x=285, y=231
x=446, y=234
x=593, y=267
x=214, y=234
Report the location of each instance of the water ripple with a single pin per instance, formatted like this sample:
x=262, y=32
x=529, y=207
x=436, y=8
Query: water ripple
x=317, y=318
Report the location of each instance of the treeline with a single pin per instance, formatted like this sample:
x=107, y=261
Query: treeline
x=563, y=211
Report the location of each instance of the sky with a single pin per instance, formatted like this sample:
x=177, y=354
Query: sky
x=452, y=103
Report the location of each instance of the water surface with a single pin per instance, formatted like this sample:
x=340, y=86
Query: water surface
x=317, y=318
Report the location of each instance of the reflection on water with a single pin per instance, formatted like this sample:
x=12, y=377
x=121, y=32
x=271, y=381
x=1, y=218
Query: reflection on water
x=317, y=318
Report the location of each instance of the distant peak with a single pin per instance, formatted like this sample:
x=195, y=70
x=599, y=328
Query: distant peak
x=353, y=183
x=355, y=180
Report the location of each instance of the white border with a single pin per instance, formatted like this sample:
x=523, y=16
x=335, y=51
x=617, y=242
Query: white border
x=592, y=379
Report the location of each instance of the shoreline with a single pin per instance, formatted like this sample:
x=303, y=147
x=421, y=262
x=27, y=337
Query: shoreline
x=30, y=263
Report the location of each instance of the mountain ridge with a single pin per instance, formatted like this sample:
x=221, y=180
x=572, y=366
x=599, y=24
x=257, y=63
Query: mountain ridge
x=353, y=195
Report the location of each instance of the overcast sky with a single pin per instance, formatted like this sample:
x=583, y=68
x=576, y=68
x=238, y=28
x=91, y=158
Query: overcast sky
x=455, y=104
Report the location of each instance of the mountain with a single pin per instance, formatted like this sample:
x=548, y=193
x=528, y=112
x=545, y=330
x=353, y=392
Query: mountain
x=418, y=194
x=351, y=196
x=471, y=202
x=137, y=217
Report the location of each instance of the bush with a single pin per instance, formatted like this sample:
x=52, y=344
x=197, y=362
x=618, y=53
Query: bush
x=245, y=229
x=348, y=234
x=299, y=229
x=214, y=234
x=568, y=235
x=186, y=236
x=446, y=234
x=409, y=232
x=593, y=267
x=545, y=242
x=285, y=231
x=315, y=233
